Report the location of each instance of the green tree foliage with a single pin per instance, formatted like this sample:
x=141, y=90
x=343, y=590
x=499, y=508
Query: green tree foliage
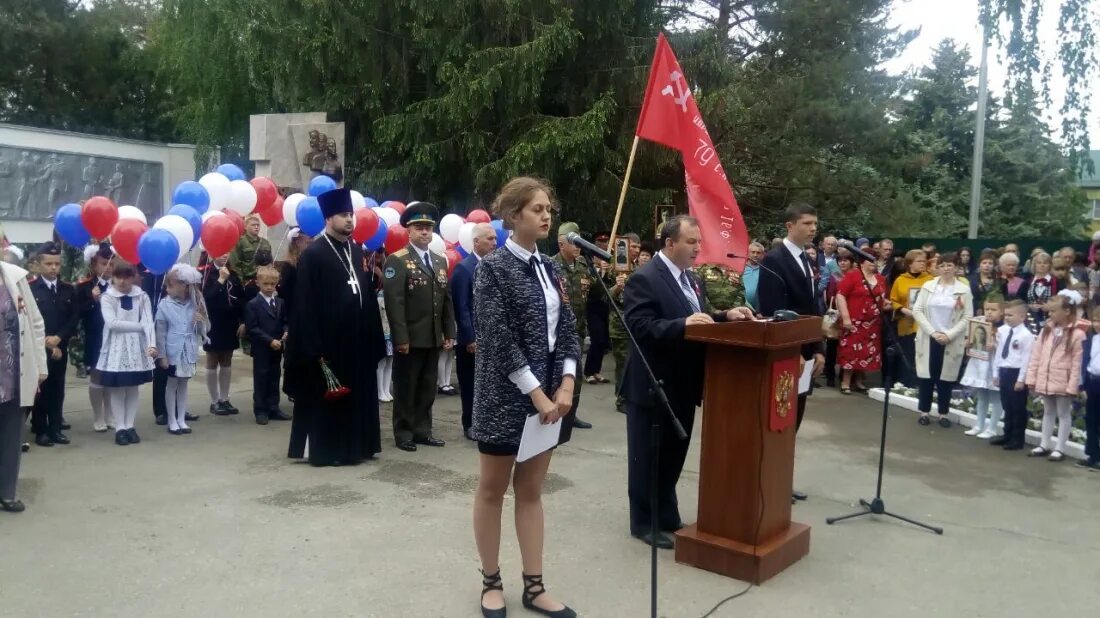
x=81, y=67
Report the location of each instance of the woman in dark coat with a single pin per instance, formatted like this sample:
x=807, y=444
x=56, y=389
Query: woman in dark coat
x=224, y=296
x=526, y=364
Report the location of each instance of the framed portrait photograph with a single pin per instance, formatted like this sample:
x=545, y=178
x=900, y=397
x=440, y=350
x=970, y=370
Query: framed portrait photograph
x=913, y=292
x=661, y=214
x=979, y=338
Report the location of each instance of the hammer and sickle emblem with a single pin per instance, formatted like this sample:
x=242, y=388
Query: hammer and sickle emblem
x=681, y=94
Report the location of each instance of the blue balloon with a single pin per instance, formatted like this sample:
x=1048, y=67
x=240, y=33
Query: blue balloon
x=231, y=171
x=158, y=250
x=310, y=219
x=371, y=203
x=321, y=184
x=192, y=217
x=461, y=251
x=192, y=194
x=502, y=234
x=374, y=243
x=69, y=226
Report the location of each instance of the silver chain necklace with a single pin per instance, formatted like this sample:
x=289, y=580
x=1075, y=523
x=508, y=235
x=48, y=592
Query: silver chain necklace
x=353, y=281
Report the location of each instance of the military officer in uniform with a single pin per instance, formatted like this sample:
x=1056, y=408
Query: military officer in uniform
x=572, y=270
x=724, y=288
x=421, y=317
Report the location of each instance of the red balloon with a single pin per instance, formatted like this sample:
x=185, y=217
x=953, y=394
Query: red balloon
x=237, y=220
x=398, y=206
x=478, y=216
x=273, y=214
x=219, y=235
x=266, y=192
x=396, y=238
x=99, y=216
x=125, y=239
x=366, y=225
x=453, y=258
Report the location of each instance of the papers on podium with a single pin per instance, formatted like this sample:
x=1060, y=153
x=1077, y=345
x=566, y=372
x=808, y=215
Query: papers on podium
x=537, y=438
x=806, y=378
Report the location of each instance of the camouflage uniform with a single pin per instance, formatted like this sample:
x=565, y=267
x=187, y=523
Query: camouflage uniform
x=620, y=341
x=724, y=288
x=575, y=282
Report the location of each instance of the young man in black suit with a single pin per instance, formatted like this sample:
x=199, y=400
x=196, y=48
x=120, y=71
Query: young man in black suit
x=57, y=303
x=661, y=299
x=265, y=323
x=787, y=282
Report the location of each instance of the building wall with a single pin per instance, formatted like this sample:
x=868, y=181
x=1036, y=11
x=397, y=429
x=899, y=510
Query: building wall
x=1092, y=198
x=176, y=162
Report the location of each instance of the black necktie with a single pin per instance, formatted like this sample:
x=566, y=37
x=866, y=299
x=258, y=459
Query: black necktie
x=272, y=303
x=806, y=269
x=1008, y=342
x=428, y=262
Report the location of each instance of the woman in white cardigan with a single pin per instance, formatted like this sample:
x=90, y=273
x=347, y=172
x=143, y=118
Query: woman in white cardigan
x=22, y=370
x=941, y=311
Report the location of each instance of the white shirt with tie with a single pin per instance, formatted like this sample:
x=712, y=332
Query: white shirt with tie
x=677, y=274
x=421, y=253
x=1018, y=350
x=50, y=285
x=524, y=378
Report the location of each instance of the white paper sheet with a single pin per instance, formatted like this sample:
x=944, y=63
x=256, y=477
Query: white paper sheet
x=537, y=438
x=807, y=377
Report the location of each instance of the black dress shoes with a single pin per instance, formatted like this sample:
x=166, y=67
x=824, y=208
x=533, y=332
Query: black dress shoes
x=43, y=440
x=661, y=540
x=407, y=445
x=59, y=438
x=162, y=420
x=230, y=408
x=430, y=441
x=579, y=424
x=261, y=419
x=999, y=441
x=65, y=426
x=798, y=495
x=219, y=409
x=12, y=506
x=190, y=417
x=279, y=415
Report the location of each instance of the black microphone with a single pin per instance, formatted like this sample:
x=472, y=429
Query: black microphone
x=863, y=255
x=780, y=315
x=575, y=239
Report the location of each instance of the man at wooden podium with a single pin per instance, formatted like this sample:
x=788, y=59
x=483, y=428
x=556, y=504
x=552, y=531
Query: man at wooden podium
x=794, y=288
x=660, y=300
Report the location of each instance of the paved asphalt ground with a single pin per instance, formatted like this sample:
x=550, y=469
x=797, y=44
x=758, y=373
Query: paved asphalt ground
x=220, y=523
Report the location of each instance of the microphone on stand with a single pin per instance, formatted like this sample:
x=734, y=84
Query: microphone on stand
x=576, y=240
x=780, y=315
x=863, y=255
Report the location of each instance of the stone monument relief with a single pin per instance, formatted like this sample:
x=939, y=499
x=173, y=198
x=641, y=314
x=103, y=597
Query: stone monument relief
x=292, y=149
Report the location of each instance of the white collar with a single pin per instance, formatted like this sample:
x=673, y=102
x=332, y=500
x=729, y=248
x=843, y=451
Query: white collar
x=52, y=284
x=102, y=281
x=522, y=253
x=672, y=268
x=420, y=252
x=268, y=298
x=135, y=292
x=794, y=249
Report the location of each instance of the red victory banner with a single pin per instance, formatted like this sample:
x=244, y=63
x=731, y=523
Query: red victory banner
x=670, y=117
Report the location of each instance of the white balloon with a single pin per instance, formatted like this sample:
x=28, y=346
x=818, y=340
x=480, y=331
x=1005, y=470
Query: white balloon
x=180, y=228
x=449, y=227
x=242, y=197
x=389, y=215
x=131, y=212
x=466, y=236
x=217, y=185
x=357, y=200
x=437, y=245
x=290, y=208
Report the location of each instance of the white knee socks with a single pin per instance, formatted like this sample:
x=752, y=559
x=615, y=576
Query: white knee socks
x=124, y=405
x=1058, y=407
x=217, y=383
x=385, y=378
x=175, y=400
x=101, y=406
x=446, y=359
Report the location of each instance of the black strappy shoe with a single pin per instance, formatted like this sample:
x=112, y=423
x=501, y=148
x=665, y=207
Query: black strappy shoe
x=492, y=582
x=532, y=588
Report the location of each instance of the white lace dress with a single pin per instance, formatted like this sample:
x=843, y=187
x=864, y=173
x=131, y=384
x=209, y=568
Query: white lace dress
x=127, y=336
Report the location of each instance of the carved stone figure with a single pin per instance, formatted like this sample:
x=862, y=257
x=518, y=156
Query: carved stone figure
x=114, y=185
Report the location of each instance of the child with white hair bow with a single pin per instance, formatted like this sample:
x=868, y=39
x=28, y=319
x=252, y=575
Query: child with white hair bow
x=181, y=327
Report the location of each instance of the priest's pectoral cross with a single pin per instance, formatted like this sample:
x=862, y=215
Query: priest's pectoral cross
x=353, y=283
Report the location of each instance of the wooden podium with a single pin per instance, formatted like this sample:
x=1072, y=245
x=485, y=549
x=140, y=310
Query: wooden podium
x=746, y=470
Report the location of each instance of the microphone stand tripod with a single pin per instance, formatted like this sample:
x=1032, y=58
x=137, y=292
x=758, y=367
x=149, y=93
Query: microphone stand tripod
x=657, y=390
x=893, y=351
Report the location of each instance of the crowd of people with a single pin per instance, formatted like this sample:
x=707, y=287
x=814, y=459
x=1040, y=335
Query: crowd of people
x=339, y=329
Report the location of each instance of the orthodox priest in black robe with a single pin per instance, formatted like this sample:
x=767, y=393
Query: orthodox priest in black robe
x=335, y=322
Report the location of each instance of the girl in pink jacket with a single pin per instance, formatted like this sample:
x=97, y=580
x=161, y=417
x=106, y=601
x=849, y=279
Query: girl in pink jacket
x=1054, y=372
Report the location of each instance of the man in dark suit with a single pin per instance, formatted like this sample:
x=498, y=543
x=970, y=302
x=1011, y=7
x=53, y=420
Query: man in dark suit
x=786, y=282
x=57, y=303
x=661, y=299
x=265, y=323
x=462, y=295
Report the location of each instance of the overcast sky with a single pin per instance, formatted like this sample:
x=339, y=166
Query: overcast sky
x=958, y=19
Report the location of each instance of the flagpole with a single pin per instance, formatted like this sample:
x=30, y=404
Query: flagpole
x=622, y=193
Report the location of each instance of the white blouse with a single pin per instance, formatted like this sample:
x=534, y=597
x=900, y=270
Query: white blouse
x=941, y=307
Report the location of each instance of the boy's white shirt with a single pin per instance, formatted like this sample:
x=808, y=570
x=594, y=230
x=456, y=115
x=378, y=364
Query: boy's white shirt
x=1025, y=337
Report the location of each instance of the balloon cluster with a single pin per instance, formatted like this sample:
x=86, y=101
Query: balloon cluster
x=210, y=211
x=454, y=240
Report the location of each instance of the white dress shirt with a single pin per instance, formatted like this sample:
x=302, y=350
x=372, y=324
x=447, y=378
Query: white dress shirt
x=941, y=307
x=1094, y=357
x=677, y=272
x=51, y=285
x=524, y=378
x=797, y=252
x=1019, y=350
x=420, y=253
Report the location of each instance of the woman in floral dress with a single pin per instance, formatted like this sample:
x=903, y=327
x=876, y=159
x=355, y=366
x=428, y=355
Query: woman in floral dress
x=860, y=299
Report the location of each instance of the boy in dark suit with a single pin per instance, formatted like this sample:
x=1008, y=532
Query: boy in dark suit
x=57, y=302
x=265, y=324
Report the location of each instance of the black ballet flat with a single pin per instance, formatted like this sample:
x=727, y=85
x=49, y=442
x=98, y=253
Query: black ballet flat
x=176, y=432
x=185, y=430
x=15, y=506
x=488, y=583
x=532, y=588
